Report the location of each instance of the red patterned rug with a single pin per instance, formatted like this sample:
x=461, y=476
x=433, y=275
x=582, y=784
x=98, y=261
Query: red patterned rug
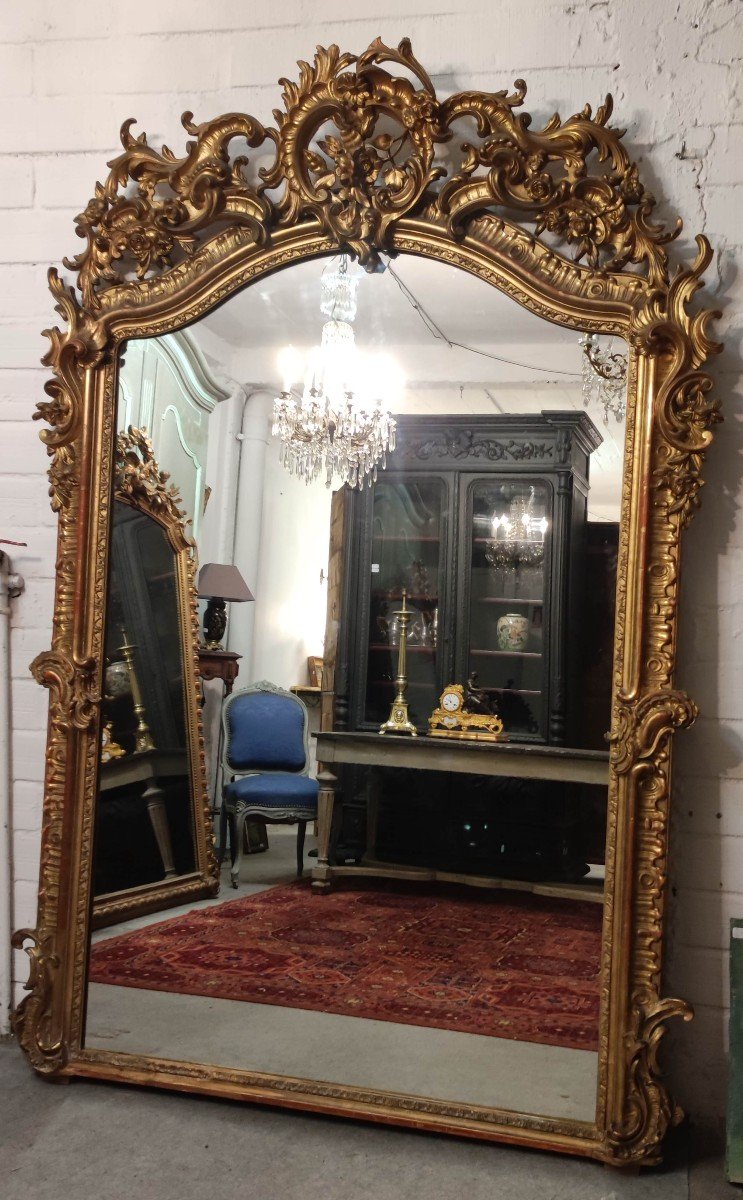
x=505, y=964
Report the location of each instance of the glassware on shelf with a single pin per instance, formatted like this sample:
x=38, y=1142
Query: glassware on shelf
x=510, y=537
x=408, y=534
x=419, y=582
x=431, y=626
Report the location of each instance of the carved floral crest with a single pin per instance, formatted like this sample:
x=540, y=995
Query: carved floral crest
x=357, y=148
x=139, y=480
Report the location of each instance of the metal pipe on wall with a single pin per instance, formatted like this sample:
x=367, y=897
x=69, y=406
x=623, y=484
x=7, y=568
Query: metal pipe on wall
x=10, y=585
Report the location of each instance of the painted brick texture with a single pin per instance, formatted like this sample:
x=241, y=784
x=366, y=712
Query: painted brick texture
x=70, y=74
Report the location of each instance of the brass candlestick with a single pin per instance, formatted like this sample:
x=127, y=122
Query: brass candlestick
x=399, y=721
x=142, y=738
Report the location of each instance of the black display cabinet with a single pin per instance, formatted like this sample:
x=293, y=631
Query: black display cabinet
x=483, y=522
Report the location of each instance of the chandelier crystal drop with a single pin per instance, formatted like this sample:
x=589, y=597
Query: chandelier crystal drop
x=604, y=378
x=339, y=425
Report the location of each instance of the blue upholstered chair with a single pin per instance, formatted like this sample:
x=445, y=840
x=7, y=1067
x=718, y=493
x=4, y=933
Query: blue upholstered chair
x=266, y=759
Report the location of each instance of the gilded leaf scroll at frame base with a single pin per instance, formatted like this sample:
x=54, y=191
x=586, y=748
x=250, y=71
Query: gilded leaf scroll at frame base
x=165, y=240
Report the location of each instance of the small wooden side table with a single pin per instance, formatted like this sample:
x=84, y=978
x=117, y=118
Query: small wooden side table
x=219, y=664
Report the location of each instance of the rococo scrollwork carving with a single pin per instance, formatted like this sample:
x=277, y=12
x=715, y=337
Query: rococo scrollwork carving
x=365, y=157
x=356, y=149
x=141, y=483
x=640, y=729
x=33, y=1021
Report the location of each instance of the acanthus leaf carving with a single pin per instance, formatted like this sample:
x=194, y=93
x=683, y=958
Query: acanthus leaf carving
x=355, y=149
x=641, y=726
x=357, y=182
x=686, y=413
x=141, y=483
x=73, y=350
x=196, y=190
x=33, y=1020
x=545, y=175
x=73, y=683
x=649, y=1109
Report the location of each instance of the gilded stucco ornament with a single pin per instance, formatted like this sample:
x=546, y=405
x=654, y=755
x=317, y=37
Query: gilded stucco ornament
x=365, y=157
x=141, y=483
x=374, y=163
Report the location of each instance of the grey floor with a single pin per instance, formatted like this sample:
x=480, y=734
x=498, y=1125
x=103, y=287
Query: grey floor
x=439, y=1063
x=97, y=1141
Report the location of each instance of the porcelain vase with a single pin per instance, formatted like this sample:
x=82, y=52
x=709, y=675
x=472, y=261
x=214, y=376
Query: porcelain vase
x=513, y=631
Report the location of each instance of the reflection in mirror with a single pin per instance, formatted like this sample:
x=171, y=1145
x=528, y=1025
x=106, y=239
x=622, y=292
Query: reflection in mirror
x=145, y=740
x=148, y=808
x=444, y=939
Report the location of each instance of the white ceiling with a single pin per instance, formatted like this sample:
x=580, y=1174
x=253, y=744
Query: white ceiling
x=243, y=338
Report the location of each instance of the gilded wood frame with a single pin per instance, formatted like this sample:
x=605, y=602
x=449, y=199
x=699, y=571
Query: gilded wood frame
x=140, y=484
x=198, y=228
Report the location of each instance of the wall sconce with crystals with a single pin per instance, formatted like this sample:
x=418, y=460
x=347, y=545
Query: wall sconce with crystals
x=517, y=536
x=339, y=424
x=604, y=378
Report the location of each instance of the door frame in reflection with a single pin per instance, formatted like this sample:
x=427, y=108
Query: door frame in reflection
x=141, y=485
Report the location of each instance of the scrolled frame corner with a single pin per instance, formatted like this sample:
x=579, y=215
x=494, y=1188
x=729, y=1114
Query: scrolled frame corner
x=166, y=238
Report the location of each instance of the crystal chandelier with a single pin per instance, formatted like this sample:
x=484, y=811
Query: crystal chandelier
x=604, y=378
x=339, y=424
x=517, y=536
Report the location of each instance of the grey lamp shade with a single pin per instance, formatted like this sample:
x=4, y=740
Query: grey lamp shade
x=223, y=581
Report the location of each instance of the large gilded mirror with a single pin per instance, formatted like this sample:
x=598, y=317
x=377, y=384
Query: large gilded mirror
x=386, y=835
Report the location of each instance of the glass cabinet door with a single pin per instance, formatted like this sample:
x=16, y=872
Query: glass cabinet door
x=506, y=594
x=407, y=552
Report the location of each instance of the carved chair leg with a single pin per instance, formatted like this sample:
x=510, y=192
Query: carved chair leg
x=232, y=824
x=222, y=846
x=237, y=852
x=301, y=830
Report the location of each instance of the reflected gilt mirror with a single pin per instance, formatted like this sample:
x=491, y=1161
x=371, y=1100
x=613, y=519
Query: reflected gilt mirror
x=152, y=845
x=382, y=831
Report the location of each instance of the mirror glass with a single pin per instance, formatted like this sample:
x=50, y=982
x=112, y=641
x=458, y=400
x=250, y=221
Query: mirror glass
x=145, y=820
x=462, y=599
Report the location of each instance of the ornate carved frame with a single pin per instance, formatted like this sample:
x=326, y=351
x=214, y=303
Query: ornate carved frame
x=198, y=228
x=139, y=483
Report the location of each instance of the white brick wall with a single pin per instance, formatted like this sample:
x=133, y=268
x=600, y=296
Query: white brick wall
x=70, y=74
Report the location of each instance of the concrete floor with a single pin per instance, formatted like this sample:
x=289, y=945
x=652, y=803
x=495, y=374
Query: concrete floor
x=97, y=1141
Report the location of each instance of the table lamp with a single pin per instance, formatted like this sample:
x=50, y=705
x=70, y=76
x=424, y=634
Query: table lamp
x=218, y=583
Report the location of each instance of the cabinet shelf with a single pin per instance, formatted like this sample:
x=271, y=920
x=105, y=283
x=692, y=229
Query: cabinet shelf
x=390, y=683
x=410, y=539
x=509, y=600
x=410, y=649
x=508, y=653
x=511, y=691
x=484, y=541
x=379, y=594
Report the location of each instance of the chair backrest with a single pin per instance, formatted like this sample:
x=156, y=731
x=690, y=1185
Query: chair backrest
x=265, y=729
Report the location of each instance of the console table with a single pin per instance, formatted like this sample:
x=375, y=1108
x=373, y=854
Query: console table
x=149, y=767
x=517, y=760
